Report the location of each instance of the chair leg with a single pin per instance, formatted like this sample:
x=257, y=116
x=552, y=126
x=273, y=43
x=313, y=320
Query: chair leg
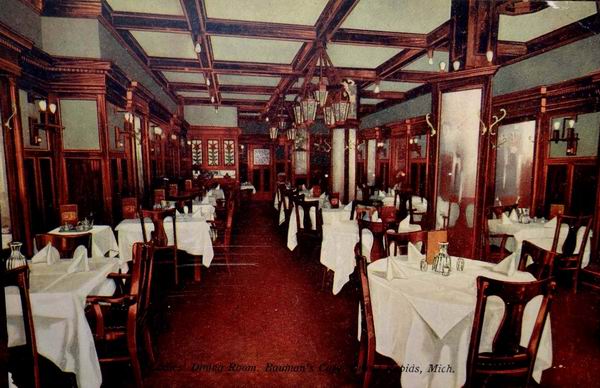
x=360, y=366
x=575, y=279
x=135, y=363
x=148, y=346
x=176, y=265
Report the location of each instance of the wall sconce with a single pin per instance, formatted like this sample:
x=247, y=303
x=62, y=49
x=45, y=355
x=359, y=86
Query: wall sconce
x=568, y=134
x=442, y=66
x=128, y=129
x=291, y=134
x=173, y=137
x=46, y=123
x=456, y=65
x=158, y=131
x=489, y=55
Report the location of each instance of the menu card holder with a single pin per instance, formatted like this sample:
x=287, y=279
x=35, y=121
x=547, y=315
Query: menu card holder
x=434, y=237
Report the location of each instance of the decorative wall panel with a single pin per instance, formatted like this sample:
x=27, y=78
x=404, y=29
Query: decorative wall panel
x=213, y=152
x=229, y=152
x=80, y=122
x=196, y=154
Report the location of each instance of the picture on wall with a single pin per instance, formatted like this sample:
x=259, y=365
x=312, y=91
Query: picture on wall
x=262, y=157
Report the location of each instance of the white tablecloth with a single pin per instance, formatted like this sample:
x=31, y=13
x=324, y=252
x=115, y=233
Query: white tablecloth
x=536, y=233
x=427, y=318
x=292, y=239
x=103, y=240
x=57, y=300
x=205, y=211
x=248, y=186
x=193, y=236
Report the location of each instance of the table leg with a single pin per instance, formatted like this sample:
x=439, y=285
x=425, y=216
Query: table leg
x=197, y=268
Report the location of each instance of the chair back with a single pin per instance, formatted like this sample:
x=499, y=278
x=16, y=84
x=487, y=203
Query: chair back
x=496, y=211
x=334, y=200
x=65, y=244
x=507, y=356
x=316, y=191
x=158, y=236
x=159, y=195
x=305, y=223
x=556, y=209
x=129, y=207
x=141, y=279
x=401, y=197
x=359, y=208
x=569, y=246
x=542, y=260
x=18, y=278
x=187, y=185
x=389, y=214
x=173, y=190
x=68, y=214
x=401, y=240
x=378, y=230
x=366, y=309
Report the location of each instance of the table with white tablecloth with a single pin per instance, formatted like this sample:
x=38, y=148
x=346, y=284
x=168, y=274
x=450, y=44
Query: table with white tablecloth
x=193, y=236
x=103, y=240
x=202, y=210
x=337, y=249
x=63, y=334
x=538, y=233
x=426, y=319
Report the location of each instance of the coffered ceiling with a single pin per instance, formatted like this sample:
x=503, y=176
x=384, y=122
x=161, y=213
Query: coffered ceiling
x=254, y=51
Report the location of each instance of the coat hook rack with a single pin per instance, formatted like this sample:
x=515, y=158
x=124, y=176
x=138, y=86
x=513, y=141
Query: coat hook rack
x=496, y=121
x=431, y=127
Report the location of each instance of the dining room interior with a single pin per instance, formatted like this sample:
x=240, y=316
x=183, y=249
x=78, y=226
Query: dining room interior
x=299, y=193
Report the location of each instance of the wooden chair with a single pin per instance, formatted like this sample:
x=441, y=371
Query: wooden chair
x=308, y=235
x=68, y=214
x=159, y=196
x=173, y=190
x=368, y=359
x=64, y=243
x=223, y=231
x=159, y=237
x=569, y=260
x=360, y=207
x=187, y=185
x=378, y=230
x=401, y=240
x=508, y=357
x=401, y=197
x=288, y=205
x=542, y=260
x=28, y=368
x=555, y=210
x=334, y=200
x=414, y=213
x=124, y=317
x=389, y=216
x=491, y=252
x=129, y=208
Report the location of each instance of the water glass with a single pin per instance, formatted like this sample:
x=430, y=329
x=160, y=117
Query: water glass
x=424, y=265
x=460, y=264
x=446, y=270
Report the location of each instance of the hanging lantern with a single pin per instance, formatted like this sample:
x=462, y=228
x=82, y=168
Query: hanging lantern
x=298, y=118
x=291, y=134
x=309, y=110
x=321, y=94
x=340, y=111
x=273, y=132
x=329, y=116
x=282, y=124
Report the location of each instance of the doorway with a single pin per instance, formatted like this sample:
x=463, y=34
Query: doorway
x=260, y=157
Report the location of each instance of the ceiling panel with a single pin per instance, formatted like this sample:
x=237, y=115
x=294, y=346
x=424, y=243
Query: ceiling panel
x=305, y=12
x=522, y=28
x=416, y=16
x=370, y=101
x=230, y=79
x=253, y=50
x=240, y=96
x=290, y=97
x=422, y=63
x=163, y=7
x=175, y=76
x=194, y=94
x=166, y=44
x=344, y=55
x=390, y=86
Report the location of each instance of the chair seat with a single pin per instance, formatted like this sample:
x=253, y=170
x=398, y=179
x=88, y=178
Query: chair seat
x=492, y=363
x=51, y=376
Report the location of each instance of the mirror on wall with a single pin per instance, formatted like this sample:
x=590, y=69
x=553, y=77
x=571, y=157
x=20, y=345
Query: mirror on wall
x=457, y=170
x=574, y=135
x=514, y=163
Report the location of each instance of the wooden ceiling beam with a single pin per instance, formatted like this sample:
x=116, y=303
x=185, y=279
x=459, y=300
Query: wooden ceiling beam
x=150, y=22
x=246, y=68
x=380, y=38
x=245, y=29
x=398, y=61
x=510, y=49
x=413, y=76
x=383, y=95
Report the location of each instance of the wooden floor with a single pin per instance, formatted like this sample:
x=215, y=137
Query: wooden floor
x=270, y=324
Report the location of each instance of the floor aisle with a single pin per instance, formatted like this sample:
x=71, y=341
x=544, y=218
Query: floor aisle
x=269, y=324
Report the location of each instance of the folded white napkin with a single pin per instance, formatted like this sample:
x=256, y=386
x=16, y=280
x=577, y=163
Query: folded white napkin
x=506, y=266
x=48, y=255
x=414, y=254
x=505, y=219
x=205, y=200
x=374, y=216
x=551, y=223
x=404, y=224
x=394, y=269
x=348, y=206
x=514, y=217
x=378, y=220
x=303, y=187
x=323, y=196
x=80, y=260
x=218, y=187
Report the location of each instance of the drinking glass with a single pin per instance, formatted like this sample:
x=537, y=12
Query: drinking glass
x=460, y=264
x=424, y=265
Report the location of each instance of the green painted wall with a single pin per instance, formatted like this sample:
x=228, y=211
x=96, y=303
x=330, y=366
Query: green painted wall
x=80, y=119
x=571, y=61
x=206, y=115
x=22, y=19
x=416, y=107
x=588, y=128
x=71, y=37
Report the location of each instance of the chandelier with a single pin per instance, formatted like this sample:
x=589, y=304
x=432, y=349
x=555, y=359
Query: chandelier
x=330, y=95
